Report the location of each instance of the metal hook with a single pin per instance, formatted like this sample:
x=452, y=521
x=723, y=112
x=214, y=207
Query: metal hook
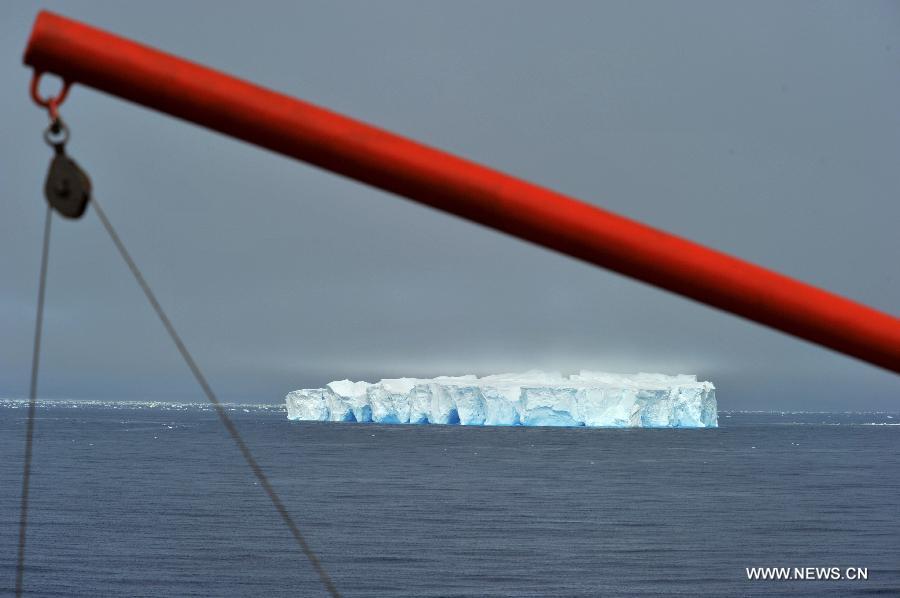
x=57, y=128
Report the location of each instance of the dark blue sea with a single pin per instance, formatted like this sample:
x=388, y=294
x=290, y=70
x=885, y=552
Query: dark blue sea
x=148, y=500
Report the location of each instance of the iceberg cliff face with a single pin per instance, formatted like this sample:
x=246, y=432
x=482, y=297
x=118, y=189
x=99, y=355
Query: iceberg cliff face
x=592, y=399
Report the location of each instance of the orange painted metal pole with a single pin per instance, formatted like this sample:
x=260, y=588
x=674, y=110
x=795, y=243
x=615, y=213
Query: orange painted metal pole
x=83, y=54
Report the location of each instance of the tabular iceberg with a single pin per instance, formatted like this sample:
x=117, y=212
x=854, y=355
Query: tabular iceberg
x=593, y=399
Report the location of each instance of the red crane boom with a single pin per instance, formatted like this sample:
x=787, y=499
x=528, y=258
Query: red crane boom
x=83, y=54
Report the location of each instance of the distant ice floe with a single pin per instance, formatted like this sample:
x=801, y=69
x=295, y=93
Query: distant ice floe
x=131, y=405
x=535, y=398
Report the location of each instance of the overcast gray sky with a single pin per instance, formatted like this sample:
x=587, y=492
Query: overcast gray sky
x=769, y=130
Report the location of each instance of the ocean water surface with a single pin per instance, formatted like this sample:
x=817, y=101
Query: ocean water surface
x=155, y=500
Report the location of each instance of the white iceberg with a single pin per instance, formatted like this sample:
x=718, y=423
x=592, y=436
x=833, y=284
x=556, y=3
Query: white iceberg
x=592, y=399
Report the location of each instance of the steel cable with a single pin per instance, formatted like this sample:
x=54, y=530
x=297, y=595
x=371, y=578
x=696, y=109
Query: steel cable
x=32, y=403
x=223, y=415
